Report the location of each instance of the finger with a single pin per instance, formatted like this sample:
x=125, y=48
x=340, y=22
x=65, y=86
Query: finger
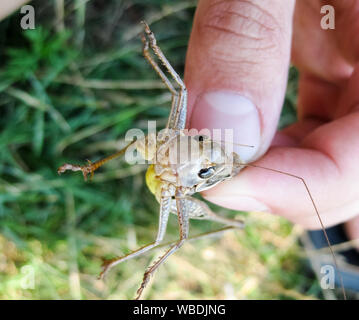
x=292, y=135
x=315, y=50
x=326, y=160
x=352, y=230
x=347, y=28
x=7, y=7
x=349, y=100
x=325, y=101
x=236, y=69
x=319, y=101
x=317, y=98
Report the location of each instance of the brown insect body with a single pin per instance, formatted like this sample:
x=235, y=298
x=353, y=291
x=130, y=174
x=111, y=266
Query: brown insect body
x=182, y=165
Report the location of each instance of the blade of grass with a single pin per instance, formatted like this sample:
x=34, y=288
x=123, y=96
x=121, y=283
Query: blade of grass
x=36, y=103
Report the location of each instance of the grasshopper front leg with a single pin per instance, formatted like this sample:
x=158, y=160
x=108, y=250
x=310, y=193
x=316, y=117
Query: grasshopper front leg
x=91, y=167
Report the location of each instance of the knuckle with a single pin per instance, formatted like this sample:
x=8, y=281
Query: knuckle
x=243, y=25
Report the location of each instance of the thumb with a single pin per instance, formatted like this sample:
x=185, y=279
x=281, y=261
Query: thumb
x=236, y=69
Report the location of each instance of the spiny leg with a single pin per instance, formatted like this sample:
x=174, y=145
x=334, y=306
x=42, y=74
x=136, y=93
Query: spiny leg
x=162, y=225
x=91, y=167
x=178, y=114
x=155, y=66
x=161, y=56
x=173, y=112
x=177, y=118
x=183, y=221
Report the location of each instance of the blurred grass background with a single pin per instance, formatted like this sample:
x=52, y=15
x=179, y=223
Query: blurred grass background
x=69, y=91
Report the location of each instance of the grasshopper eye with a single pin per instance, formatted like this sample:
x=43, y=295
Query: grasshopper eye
x=201, y=138
x=206, y=172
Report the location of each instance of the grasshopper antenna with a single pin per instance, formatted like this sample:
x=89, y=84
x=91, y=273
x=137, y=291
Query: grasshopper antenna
x=235, y=143
x=318, y=215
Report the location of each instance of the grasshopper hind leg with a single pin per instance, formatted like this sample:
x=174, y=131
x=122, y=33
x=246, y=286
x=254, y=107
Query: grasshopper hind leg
x=183, y=222
x=187, y=208
x=163, y=219
x=177, y=117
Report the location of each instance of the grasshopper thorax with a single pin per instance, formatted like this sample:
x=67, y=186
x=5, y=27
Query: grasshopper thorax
x=192, y=163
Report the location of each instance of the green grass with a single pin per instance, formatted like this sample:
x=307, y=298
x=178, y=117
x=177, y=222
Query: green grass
x=70, y=94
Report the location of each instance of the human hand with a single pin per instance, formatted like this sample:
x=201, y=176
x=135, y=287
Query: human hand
x=236, y=74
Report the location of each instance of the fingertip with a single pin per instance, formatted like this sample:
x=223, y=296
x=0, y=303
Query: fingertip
x=229, y=117
x=237, y=202
x=275, y=184
x=230, y=51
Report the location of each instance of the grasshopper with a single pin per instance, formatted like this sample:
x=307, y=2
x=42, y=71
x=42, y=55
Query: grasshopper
x=174, y=182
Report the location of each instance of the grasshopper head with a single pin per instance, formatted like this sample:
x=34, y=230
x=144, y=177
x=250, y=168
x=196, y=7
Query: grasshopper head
x=208, y=164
